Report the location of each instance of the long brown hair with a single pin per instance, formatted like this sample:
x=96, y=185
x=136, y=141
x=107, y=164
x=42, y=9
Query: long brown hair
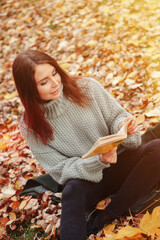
x=23, y=72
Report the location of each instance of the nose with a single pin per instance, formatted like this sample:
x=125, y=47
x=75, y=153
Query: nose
x=54, y=82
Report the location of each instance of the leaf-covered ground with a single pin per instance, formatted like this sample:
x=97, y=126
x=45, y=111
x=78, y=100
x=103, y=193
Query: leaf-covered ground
x=115, y=41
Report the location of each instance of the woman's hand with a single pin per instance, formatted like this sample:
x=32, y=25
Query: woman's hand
x=132, y=127
x=110, y=157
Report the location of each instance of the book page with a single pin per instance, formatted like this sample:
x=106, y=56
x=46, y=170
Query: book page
x=108, y=143
x=123, y=129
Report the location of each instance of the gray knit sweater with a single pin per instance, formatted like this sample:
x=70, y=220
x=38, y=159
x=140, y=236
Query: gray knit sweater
x=76, y=130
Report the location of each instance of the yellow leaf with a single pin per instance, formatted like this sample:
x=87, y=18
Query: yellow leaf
x=153, y=113
x=16, y=154
x=28, y=19
x=6, y=137
x=18, y=184
x=118, y=16
x=109, y=228
x=144, y=24
x=134, y=42
x=140, y=119
x=150, y=223
x=12, y=216
x=2, y=146
x=65, y=65
x=106, y=44
x=10, y=95
x=155, y=74
x=83, y=25
x=64, y=9
x=92, y=43
x=151, y=49
x=155, y=120
x=108, y=231
x=101, y=81
x=104, y=9
x=101, y=205
x=128, y=232
x=34, y=226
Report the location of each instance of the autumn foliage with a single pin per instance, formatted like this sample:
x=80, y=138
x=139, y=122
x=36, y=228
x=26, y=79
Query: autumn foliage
x=115, y=41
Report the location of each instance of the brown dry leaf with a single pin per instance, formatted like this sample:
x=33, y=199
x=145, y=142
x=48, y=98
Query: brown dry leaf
x=15, y=205
x=103, y=204
x=7, y=191
x=3, y=224
x=116, y=42
x=12, y=216
x=23, y=204
x=31, y=203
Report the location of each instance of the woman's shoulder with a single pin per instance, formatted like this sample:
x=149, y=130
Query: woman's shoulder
x=89, y=83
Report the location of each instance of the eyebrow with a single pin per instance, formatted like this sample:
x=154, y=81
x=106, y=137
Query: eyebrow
x=43, y=79
x=47, y=77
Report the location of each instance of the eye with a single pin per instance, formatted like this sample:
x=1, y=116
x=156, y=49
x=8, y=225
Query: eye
x=43, y=83
x=54, y=72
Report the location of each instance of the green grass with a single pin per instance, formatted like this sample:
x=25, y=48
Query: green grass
x=27, y=233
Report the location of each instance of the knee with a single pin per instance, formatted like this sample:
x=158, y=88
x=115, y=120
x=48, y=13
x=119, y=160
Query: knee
x=73, y=190
x=153, y=152
x=154, y=145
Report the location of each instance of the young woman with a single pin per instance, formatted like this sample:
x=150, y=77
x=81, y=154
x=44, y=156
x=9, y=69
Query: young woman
x=63, y=118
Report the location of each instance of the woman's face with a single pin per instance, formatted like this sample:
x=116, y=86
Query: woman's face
x=48, y=82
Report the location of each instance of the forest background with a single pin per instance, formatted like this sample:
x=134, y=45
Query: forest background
x=115, y=41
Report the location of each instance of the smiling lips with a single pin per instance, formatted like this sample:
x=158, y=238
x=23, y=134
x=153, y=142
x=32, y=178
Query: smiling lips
x=56, y=92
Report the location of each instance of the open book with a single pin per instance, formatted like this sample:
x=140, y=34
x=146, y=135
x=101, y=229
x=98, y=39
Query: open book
x=108, y=143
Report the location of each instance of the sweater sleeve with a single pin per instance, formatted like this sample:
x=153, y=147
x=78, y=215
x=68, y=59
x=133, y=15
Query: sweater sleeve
x=60, y=167
x=113, y=113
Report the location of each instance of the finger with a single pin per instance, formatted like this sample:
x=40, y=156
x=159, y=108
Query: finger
x=110, y=152
x=125, y=120
x=113, y=160
x=134, y=130
x=132, y=125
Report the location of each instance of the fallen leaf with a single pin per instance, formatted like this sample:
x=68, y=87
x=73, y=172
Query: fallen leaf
x=129, y=232
x=150, y=223
x=155, y=74
x=140, y=118
x=10, y=95
x=7, y=191
x=153, y=113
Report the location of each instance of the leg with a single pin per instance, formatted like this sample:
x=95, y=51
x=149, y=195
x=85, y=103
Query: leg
x=79, y=195
x=141, y=179
x=73, y=211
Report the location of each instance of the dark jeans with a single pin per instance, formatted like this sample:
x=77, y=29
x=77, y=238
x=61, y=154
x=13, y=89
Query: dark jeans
x=135, y=173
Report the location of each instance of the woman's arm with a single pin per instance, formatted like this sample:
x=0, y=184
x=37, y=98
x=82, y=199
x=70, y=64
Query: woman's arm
x=114, y=114
x=63, y=168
